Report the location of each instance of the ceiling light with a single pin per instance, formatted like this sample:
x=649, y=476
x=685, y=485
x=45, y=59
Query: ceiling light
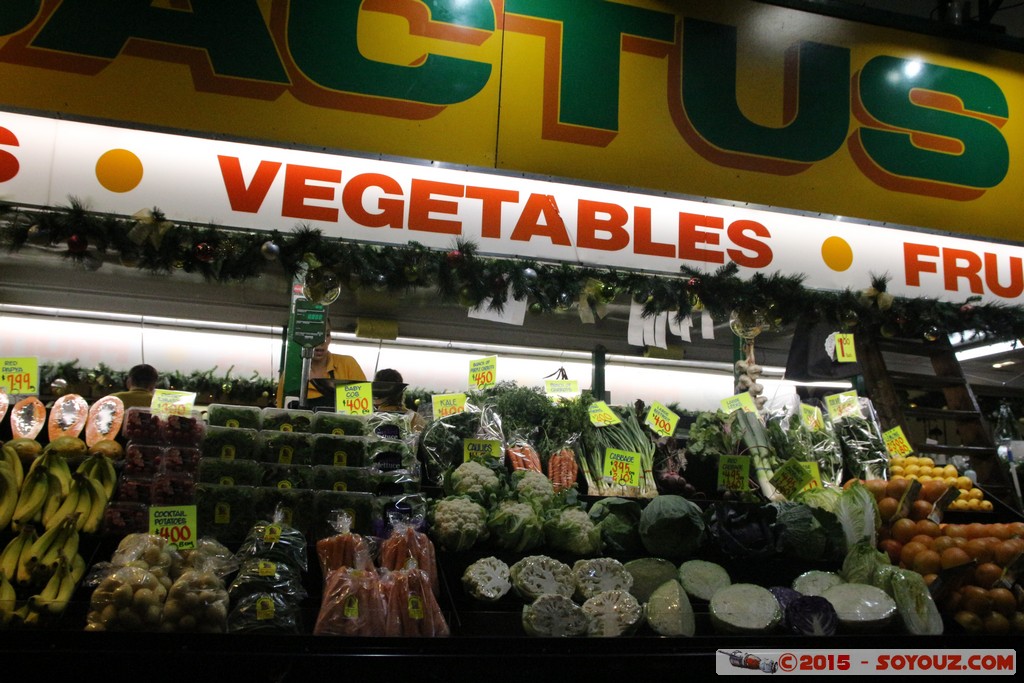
x=989, y=350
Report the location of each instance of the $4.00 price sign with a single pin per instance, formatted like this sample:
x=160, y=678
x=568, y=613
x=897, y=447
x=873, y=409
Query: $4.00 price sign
x=448, y=404
x=661, y=420
x=177, y=524
x=354, y=399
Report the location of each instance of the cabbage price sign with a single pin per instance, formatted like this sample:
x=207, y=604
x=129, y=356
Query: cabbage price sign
x=622, y=467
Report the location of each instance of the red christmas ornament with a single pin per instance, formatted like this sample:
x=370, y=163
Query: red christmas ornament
x=454, y=256
x=693, y=282
x=77, y=244
x=204, y=252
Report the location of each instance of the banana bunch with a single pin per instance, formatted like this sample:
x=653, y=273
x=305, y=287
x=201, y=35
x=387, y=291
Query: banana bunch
x=8, y=601
x=100, y=467
x=59, y=542
x=14, y=557
x=53, y=599
x=86, y=502
x=11, y=475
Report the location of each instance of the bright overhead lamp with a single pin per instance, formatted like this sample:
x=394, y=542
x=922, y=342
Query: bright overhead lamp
x=988, y=350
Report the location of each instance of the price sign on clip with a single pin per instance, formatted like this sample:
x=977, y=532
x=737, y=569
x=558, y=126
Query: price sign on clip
x=661, y=420
x=842, y=405
x=896, y=442
x=19, y=376
x=734, y=473
x=623, y=467
x=176, y=524
x=846, y=352
x=448, y=404
x=601, y=415
x=483, y=372
x=560, y=389
x=812, y=417
x=354, y=399
x=481, y=449
x=166, y=402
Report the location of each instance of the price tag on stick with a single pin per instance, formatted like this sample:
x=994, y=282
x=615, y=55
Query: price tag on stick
x=483, y=372
x=177, y=524
x=166, y=402
x=661, y=420
x=623, y=467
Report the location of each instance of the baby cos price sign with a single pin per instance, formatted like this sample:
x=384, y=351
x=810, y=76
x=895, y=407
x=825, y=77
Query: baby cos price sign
x=354, y=399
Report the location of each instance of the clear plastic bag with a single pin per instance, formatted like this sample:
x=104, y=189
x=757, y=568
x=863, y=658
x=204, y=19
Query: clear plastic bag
x=344, y=548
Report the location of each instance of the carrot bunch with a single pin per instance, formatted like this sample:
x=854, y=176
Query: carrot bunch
x=562, y=468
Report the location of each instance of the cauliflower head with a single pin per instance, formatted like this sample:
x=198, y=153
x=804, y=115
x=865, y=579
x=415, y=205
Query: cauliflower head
x=476, y=480
x=487, y=579
x=516, y=526
x=458, y=523
x=533, y=486
x=572, y=531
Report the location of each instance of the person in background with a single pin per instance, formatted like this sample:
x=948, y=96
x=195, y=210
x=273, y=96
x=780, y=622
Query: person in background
x=389, y=397
x=326, y=365
x=139, y=386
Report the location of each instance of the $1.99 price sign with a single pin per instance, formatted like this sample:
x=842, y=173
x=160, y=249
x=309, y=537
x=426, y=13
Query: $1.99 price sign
x=354, y=399
x=622, y=467
x=19, y=376
x=483, y=372
x=176, y=524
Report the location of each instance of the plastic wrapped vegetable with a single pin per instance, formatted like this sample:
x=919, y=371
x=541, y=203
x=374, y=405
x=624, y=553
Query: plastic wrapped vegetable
x=572, y=531
x=196, y=603
x=487, y=579
x=516, y=526
x=860, y=437
x=744, y=608
x=612, y=613
x=353, y=604
x=128, y=598
x=344, y=548
x=669, y=611
x=268, y=612
x=257, y=576
x=599, y=574
x=274, y=541
x=406, y=548
x=914, y=602
x=412, y=609
x=553, y=615
x=458, y=523
x=536, y=575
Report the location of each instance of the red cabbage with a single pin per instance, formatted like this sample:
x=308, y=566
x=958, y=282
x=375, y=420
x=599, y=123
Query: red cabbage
x=811, y=615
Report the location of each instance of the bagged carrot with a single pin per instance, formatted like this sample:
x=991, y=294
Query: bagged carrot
x=522, y=455
x=345, y=548
x=562, y=468
x=407, y=547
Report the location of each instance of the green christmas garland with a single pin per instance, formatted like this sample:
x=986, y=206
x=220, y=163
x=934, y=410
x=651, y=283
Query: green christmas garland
x=151, y=242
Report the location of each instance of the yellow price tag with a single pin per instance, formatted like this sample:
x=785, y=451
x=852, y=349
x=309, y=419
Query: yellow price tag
x=845, y=350
x=176, y=524
x=661, y=420
x=734, y=473
x=815, y=472
x=812, y=417
x=480, y=449
x=742, y=401
x=448, y=404
x=842, y=405
x=896, y=442
x=354, y=399
x=166, y=402
x=483, y=372
x=790, y=477
x=19, y=376
x=601, y=415
x=559, y=389
x=622, y=467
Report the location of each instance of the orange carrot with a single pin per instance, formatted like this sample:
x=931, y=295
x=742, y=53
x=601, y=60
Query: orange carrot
x=562, y=469
x=524, y=457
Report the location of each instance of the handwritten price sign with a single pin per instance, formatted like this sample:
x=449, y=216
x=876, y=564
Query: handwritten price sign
x=661, y=420
x=448, y=404
x=742, y=401
x=354, y=399
x=622, y=467
x=734, y=473
x=176, y=524
x=790, y=477
x=166, y=402
x=842, y=405
x=601, y=415
x=481, y=449
x=812, y=417
x=560, y=389
x=896, y=442
x=19, y=376
x=845, y=350
x=483, y=372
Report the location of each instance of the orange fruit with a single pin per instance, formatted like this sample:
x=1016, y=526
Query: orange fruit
x=941, y=543
x=923, y=539
x=933, y=490
x=876, y=487
x=1003, y=601
x=954, y=530
x=895, y=488
x=1016, y=529
x=928, y=527
x=910, y=551
x=927, y=562
x=976, y=600
x=1007, y=551
x=920, y=509
x=996, y=623
x=903, y=529
x=979, y=550
x=887, y=508
x=892, y=548
x=986, y=574
x=953, y=557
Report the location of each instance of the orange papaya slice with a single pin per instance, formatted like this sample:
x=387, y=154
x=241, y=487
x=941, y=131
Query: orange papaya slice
x=105, y=418
x=67, y=416
x=27, y=418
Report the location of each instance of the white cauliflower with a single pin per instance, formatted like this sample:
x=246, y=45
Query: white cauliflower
x=475, y=480
x=612, y=613
x=536, y=575
x=487, y=579
x=599, y=574
x=533, y=486
x=552, y=615
x=458, y=523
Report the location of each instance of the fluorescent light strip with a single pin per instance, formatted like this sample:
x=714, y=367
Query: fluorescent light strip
x=990, y=350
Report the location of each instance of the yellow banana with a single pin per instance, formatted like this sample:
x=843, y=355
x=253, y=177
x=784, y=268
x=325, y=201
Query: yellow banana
x=94, y=517
x=8, y=600
x=23, y=574
x=11, y=456
x=46, y=551
x=12, y=552
x=56, y=592
x=71, y=504
x=9, y=491
x=53, y=501
x=77, y=572
x=32, y=498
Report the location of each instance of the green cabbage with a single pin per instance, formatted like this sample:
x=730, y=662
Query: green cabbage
x=617, y=518
x=672, y=527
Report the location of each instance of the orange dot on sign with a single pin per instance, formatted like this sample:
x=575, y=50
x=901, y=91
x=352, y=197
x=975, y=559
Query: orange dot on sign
x=837, y=253
x=119, y=170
